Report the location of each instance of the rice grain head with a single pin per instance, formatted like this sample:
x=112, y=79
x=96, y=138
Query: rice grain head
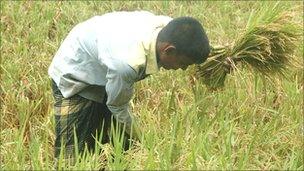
x=267, y=48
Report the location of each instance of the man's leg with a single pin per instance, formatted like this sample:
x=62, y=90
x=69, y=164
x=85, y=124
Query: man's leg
x=77, y=115
x=109, y=118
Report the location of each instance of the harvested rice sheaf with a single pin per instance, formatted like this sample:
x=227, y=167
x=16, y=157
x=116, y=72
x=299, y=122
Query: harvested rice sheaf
x=267, y=48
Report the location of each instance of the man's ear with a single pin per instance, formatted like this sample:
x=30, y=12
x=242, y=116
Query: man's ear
x=170, y=50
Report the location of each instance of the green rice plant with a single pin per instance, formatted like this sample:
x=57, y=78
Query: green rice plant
x=235, y=129
x=267, y=47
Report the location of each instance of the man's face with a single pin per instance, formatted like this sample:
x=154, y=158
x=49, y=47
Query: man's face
x=170, y=59
x=175, y=62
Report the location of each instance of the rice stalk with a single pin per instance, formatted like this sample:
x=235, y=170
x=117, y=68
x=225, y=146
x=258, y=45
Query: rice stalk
x=267, y=48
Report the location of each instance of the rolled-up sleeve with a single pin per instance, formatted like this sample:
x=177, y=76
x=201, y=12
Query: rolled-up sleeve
x=119, y=88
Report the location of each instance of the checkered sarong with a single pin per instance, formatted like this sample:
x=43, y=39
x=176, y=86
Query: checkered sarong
x=84, y=117
x=81, y=116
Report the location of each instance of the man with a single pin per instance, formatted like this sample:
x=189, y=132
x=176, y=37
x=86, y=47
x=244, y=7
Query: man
x=96, y=66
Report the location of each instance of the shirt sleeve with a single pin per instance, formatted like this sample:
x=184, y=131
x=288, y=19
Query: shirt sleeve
x=119, y=88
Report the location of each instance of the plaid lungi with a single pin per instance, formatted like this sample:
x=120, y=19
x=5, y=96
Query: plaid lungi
x=84, y=117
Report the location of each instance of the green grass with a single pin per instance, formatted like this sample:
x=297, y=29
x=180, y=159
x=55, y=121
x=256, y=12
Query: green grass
x=251, y=123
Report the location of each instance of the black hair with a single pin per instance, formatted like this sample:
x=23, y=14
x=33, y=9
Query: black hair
x=188, y=36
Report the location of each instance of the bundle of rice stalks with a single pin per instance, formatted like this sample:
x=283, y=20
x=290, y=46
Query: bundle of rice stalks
x=266, y=47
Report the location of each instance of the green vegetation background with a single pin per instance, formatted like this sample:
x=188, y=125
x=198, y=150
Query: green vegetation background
x=252, y=123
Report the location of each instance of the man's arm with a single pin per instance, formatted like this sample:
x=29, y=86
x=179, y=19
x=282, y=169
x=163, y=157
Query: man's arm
x=119, y=88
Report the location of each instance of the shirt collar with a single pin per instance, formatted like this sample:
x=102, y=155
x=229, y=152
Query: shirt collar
x=152, y=66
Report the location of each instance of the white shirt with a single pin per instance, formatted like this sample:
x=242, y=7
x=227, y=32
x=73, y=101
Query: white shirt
x=109, y=52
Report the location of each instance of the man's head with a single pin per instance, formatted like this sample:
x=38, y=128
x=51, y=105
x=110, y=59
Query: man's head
x=182, y=42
